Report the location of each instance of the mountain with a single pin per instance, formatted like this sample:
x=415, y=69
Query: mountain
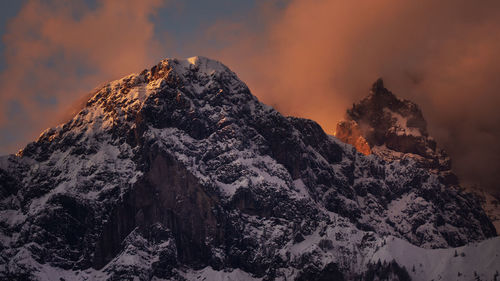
x=180, y=173
x=395, y=129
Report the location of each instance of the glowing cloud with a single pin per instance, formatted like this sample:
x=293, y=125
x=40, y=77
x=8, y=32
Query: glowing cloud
x=58, y=50
x=317, y=57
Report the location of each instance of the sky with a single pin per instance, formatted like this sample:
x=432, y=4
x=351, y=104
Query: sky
x=307, y=58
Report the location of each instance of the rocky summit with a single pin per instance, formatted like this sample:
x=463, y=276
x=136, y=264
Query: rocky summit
x=180, y=173
x=394, y=129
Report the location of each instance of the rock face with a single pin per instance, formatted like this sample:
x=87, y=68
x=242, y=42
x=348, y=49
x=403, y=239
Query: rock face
x=490, y=204
x=396, y=129
x=349, y=132
x=180, y=169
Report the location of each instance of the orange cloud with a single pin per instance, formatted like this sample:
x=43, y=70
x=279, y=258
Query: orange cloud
x=310, y=58
x=317, y=57
x=56, y=50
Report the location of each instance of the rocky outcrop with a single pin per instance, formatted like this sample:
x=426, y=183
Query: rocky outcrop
x=349, y=132
x=490, y=204
x=395, y=129
x=180, y=169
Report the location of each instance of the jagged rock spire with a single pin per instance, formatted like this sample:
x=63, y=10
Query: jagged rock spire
x=395, y=128
x=378, y=86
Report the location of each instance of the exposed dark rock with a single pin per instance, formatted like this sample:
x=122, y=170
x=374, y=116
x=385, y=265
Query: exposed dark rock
x=394, y=129
x=180, y=169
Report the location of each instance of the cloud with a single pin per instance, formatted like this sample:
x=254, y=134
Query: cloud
x=318, y=57
x=57, y=50
x=309, y=58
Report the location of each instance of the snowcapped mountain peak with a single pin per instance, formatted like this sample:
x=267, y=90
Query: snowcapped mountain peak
x=191, y=86
x=198, y=65
x=207, y=65
x=198, y=72
x=179, y=171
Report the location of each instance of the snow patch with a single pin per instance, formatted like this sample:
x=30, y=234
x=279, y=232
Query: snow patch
x=209, y=274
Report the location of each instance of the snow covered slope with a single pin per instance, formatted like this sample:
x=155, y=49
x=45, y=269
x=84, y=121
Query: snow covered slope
x=476, y=261
x=180, y=172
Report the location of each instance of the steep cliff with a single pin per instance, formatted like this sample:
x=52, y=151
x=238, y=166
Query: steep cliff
x=395, y=129
x=179, y=172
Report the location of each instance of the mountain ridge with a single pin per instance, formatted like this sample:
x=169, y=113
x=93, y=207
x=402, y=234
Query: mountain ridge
x=181, y=168
x=394, y=128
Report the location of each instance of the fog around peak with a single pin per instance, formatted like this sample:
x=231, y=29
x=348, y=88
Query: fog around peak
x=312, y=59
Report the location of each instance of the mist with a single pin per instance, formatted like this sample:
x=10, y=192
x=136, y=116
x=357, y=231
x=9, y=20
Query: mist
x=318, y=57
